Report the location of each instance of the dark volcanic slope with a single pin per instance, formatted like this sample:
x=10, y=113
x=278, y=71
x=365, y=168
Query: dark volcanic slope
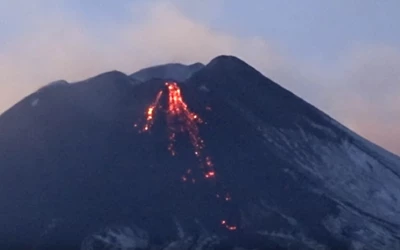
x=75, y=172
x=177, y=71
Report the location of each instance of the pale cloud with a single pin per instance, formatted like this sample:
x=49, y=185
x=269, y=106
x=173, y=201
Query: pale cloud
x=361, y=90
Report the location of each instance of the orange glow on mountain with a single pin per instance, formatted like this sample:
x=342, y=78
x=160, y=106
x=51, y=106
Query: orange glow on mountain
x=181, y=121
x=151, y=112
x=227, y=226
x=210, y=174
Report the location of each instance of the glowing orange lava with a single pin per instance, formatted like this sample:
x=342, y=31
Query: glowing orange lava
x=210, y=174
x=227, y=226
x=182, y=120
x=151, y=112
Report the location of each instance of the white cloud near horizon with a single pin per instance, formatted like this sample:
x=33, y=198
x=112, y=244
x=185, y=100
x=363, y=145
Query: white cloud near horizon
x=361, y=90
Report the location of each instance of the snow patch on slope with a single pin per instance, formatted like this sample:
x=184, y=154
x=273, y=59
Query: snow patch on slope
x=286, y=238
x=122, y=238
x=352, y=178
x=387, y=158
x=201, y=242
x=347, y=171
x=348, y=174
x=35, y=102
x=134, y=238
x=204, y=88
x=361, y=231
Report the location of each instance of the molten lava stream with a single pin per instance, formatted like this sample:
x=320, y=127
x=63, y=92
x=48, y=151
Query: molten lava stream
x=182, y=120
x=150, y=113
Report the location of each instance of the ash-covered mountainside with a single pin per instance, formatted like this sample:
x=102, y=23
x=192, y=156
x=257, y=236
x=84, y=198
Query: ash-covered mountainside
x=223, y=158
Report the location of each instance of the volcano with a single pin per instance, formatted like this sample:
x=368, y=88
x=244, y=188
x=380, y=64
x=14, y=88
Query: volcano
x=212, y=156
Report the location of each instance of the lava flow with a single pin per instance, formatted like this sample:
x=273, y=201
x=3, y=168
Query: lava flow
x=180, y=120
x=150, y=113
x=227, y=226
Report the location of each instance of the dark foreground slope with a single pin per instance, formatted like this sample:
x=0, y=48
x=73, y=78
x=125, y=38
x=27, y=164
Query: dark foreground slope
x=76, y=173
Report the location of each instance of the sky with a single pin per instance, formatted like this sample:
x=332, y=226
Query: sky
x=342, y=56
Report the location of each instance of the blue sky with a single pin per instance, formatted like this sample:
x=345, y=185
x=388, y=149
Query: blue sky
x=343, y=56
x=310, y=27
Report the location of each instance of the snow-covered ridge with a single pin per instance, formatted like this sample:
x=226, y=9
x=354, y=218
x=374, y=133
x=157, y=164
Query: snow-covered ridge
x=351, y=173
x=388, y=158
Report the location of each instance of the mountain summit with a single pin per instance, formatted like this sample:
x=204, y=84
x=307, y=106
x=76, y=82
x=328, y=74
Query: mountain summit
x=216, y=157
x=174, y=71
